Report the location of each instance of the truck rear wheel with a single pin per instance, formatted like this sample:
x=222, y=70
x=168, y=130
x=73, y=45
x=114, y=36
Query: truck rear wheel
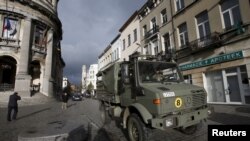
x=137, y=130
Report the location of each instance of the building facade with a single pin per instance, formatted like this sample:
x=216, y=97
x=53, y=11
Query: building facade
x=130, y=37
x=156, y=28
x=111, y=54
x=84, y=78
x=213, y=47
x=91, y=76
x=30, y=50
x=210, y=40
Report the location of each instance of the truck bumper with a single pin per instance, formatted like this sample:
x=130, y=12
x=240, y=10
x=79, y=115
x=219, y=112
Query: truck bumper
x=183, y=120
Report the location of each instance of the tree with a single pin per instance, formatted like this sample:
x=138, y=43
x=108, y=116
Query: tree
x=90, y=87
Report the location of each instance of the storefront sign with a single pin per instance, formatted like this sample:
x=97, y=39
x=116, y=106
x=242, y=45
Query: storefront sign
x=214, y=60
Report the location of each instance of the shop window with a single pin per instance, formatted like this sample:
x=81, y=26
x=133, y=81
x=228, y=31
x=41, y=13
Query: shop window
x=245, y=84
x=10, y=28
x=188, y=79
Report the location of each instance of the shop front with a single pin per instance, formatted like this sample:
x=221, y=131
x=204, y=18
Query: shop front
x=225, y=77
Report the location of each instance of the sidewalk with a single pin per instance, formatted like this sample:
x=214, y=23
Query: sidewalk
x=230, y=114
x=26, y=100
x=45, y=122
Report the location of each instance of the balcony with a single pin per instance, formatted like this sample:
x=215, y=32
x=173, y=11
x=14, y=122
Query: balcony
x=152, y=32
x=212, y=40
x=235, y=33
x=38, y=52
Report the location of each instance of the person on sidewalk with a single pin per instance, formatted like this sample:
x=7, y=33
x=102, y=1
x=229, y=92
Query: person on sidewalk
x=64, y=100
x=13, y=106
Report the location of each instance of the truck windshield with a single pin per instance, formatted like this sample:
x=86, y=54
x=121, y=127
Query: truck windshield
x=158, y=72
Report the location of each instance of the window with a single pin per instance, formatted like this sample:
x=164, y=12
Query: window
x=146, y=50
x=10, y=28
x=156, y=50
x=117, y=53
x=231, y=13
x=144, y=30
x=203, y=24
x=135, y=35
x=164, y=17
x=124, y=44
x=40, y=36
x=153, y=23
x=166, y=42
x=129, y=40
x=179, y=5
x=188, y=79
x=183, y=35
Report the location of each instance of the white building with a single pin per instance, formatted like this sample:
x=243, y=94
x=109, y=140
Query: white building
x=84, y=78
x=130, y=37
x=65, y=82
x=111, y=54
x=91, y=76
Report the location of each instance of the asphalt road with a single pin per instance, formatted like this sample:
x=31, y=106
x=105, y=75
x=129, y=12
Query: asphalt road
x=51, y=119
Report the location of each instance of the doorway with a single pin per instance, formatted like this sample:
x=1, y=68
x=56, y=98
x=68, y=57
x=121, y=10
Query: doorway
x=225, y=86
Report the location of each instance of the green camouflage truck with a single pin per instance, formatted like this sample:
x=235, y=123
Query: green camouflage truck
x=131, y=92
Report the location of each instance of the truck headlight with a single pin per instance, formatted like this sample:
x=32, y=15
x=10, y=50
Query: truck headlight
x=169, y=122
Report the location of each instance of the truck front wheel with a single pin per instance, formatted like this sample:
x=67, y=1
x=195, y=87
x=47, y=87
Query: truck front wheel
x=137, y=130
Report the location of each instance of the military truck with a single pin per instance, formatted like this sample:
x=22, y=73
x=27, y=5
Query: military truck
x=130, y=91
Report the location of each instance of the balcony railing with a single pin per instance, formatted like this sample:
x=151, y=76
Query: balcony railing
x=152, y=32
x=39, y=49
x=204, y=42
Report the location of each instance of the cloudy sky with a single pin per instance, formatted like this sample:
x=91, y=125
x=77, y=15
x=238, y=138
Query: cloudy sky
x=88, y=27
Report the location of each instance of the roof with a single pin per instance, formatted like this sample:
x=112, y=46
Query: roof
x=128, y=21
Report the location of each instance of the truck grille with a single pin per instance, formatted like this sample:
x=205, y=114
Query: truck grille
x=198, y=100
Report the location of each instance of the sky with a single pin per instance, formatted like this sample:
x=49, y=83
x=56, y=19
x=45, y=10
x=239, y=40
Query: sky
x=88, y=28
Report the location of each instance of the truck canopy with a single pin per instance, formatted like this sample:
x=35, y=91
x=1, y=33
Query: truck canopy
x=107, y=82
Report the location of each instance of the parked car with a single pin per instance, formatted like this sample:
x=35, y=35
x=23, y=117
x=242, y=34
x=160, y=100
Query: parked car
x=76, y=97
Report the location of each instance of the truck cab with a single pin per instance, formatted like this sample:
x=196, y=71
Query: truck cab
x=151, y=93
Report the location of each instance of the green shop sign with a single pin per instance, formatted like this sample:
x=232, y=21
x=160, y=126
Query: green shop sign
x=214, y=60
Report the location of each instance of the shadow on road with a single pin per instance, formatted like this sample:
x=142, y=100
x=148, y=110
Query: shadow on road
x=31, y=114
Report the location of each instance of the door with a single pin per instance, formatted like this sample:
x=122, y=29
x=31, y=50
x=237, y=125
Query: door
x=233, y=92
x=231, y=78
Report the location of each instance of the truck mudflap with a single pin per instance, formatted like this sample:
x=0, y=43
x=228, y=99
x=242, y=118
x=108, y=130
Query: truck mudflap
x=183, y=120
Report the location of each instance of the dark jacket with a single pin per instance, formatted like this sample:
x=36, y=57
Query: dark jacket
x=65, y=98
x=13, y=100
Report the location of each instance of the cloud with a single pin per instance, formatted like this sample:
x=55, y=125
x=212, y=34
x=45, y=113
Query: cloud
x=88, y=27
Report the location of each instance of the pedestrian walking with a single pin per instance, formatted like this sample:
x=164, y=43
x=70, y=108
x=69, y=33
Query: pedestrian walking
x=64, y=100
x=13, y=106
